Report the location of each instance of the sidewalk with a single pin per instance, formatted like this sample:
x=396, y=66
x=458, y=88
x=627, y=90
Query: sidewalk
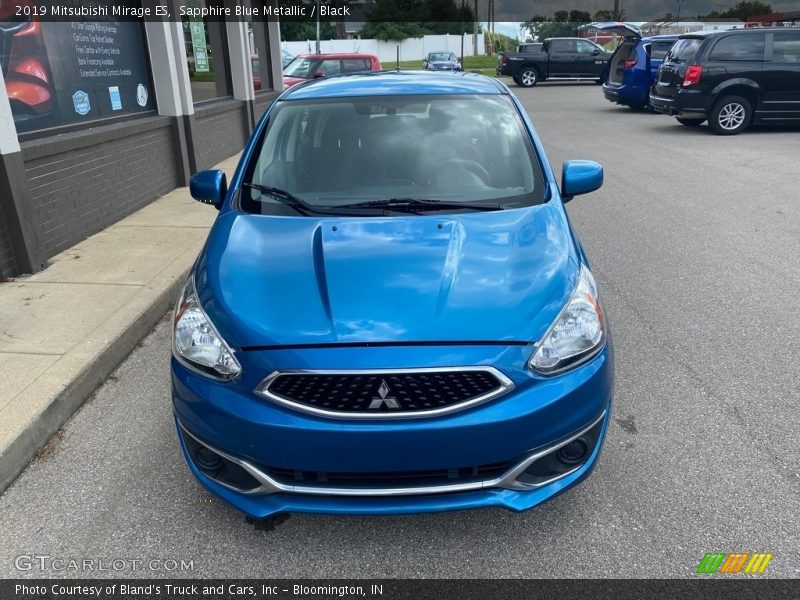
x=63, y=331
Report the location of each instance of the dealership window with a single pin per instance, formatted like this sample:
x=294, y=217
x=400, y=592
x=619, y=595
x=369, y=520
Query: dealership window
x=66, y=73
x=207, y=57
x=258, y=40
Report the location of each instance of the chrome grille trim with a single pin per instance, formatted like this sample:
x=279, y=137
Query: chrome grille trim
x=507, y=480
x=505, y=385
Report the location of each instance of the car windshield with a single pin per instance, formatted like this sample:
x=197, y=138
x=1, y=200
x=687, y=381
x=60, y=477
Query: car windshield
x=301, y=67
x=441, y=56
x=683, y=50
x=454, y=149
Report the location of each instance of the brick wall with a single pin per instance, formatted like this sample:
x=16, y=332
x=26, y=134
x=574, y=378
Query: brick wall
x=7, y=265
x=220, y=130
x=81, y=183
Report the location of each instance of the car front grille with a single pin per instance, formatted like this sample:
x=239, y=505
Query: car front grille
x=385, y=394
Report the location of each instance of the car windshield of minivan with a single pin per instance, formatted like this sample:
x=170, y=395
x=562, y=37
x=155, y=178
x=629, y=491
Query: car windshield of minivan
x=441, y=56
x=411, y=154
x=683, y=50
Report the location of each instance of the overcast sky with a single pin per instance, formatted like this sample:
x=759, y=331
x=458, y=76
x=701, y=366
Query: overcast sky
x=638, y=10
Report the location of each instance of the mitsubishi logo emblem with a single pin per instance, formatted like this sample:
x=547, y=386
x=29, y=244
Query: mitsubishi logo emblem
x=385, y=398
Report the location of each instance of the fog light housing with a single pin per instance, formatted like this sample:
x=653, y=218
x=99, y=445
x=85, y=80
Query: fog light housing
x=217, y=467
x=564, y=458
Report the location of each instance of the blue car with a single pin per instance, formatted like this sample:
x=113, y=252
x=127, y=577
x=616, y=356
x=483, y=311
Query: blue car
x=633, y=68
x=392, y=313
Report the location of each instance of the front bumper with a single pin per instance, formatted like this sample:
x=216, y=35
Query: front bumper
x=511, y=429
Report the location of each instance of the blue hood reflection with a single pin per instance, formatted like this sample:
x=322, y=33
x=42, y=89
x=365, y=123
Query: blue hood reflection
x=489, y=276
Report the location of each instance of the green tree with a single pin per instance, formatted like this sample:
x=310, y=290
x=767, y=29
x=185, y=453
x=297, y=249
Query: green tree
x=742, y=11
x=300, y=31
x=603, y=15
x=561, y=16
x=579, y=16
x=392, y=31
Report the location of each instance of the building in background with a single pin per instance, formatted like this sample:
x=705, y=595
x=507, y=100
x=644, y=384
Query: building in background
x=100, y=118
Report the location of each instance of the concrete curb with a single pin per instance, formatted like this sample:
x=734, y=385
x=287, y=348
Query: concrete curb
x=108, y=345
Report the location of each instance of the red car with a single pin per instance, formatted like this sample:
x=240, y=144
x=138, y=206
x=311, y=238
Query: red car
x=312, y=66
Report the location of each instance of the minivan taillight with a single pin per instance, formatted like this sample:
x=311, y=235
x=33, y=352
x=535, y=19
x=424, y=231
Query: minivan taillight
x=692, y=76
x=504, y=61
x=630, y=62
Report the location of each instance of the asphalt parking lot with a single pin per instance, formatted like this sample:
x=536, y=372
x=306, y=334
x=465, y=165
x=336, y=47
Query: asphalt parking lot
x=694, y=241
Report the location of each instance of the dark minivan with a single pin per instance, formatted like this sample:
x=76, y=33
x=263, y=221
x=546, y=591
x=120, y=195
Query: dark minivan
x=732, y=79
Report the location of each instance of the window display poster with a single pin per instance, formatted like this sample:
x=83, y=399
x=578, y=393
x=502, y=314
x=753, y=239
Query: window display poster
x=58, y=73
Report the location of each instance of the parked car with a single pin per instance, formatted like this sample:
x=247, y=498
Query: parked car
x=633, y=68
x=392, y=313
x=314, y=66
x=442, y=61
x=732, y=79
x=560, y=58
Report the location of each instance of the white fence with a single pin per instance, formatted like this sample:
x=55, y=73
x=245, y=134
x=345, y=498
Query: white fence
x=410, y=49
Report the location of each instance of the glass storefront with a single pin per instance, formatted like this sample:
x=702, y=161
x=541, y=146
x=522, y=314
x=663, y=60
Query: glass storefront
x=207, y=58
x=60, y=73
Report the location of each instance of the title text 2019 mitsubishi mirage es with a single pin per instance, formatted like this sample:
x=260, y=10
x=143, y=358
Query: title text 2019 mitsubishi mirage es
x=392, y=313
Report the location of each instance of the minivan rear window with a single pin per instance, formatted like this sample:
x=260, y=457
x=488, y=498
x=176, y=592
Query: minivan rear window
x=658, y=50
x=684, y=50
x=739, y=47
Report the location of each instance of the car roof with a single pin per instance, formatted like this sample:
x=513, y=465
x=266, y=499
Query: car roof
x=667, y=37
x=338, y=55
x=395, y=83
x=744, y=30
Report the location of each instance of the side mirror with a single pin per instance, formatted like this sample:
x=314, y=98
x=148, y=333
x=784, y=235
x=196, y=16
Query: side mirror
x=319, y=74
x=580, y=177
x=209, y=187
x=595, y=52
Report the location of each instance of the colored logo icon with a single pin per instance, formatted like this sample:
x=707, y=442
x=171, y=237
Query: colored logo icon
x=80, y=101
x=114, y=96
x=733, y=563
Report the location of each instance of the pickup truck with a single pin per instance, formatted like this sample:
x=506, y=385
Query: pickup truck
x=558, y=58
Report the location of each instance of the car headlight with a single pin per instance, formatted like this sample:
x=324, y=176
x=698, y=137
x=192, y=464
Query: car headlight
x=195, y=340
x=577, y=334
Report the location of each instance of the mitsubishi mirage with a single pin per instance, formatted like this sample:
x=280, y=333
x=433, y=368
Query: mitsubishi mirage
x=392, y=313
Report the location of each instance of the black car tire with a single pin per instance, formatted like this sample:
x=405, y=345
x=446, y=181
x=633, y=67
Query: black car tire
x=638, y=107
x=730, y=115
x=690, y=122
x=516, y=79
x=528, y=77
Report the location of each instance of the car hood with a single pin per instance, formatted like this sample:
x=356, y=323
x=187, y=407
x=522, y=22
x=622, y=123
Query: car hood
x=491, y=276
x=443, y=63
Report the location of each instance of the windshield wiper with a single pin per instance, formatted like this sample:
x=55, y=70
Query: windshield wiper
x=284, y=197
x=420, y=205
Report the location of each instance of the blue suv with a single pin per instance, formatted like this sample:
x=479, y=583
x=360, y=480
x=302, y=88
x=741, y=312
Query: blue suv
x=633, y=68
x=392, y=313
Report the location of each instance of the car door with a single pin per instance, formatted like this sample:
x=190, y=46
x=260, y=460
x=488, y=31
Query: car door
x=590, y=59
x=781, y=75
x=354, y=65
x=562, y=57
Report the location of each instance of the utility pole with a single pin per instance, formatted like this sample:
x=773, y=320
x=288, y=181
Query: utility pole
x=475, y=30
x=616, y=10
x=318, y=50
